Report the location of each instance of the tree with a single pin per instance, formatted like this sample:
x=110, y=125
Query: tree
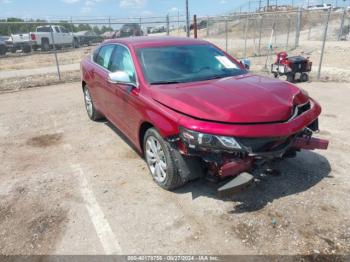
x=96, y=29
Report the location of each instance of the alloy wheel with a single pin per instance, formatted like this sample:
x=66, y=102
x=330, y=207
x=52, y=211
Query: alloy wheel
x=155, y=158
x=88, y=102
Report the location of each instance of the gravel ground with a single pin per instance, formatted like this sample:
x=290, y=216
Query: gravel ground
x=73, y=186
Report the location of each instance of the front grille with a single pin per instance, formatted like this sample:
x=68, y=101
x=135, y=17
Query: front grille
x=259, y=145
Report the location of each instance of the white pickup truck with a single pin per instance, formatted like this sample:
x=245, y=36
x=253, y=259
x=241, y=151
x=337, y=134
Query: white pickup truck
x=42, y=38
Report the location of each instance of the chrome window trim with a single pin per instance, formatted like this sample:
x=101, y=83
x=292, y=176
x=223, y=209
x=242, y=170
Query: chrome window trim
x=105, y=69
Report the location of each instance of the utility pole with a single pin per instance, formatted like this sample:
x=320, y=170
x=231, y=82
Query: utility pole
x=187, y=20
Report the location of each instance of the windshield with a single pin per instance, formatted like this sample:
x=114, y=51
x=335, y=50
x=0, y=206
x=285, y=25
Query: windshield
x=188, y=63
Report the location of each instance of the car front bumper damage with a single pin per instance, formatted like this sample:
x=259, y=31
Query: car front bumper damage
x=241, y=166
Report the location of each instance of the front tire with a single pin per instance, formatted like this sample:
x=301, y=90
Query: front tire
x=161, y=161
x=89, y=105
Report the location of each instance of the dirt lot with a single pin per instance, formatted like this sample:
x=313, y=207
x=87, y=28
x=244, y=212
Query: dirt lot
x=73, y=186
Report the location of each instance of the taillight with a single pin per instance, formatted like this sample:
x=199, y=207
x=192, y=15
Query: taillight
x=33, y=37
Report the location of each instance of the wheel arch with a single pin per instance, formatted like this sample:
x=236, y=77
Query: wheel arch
x=83, y=84
x=142, y=131
x=43, y=39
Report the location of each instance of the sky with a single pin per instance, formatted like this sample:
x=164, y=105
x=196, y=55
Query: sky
x=120, y=8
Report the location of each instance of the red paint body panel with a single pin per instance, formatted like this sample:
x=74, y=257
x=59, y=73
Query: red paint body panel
x=236, y=167
x=310, y=143
x=241, y=99
x=254, y=130
x=244, y=106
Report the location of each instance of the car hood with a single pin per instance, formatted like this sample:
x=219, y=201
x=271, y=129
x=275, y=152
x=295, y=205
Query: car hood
x=242, y=99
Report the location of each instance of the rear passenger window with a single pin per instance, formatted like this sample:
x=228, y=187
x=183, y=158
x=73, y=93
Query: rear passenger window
x=95, y=54
x=104, y=55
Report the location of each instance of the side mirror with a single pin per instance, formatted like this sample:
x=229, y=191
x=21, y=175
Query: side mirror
x=246, y=63
x=120, y=77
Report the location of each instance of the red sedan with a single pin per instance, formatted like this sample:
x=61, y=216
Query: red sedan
x=192, y=109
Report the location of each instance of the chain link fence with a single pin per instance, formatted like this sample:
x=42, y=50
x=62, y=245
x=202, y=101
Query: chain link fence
x=26, y=55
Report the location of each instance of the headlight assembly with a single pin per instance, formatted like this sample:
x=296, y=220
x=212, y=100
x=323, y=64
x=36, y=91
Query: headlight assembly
x=201, y=140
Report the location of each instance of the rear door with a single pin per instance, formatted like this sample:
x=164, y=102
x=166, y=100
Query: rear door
x=67, y=38
x=57, y=35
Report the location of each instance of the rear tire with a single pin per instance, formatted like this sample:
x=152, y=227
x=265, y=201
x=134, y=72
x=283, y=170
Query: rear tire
x=161, y=161
x=291, y=77
x=26, y=49
x=75, y=43
x=45, y=45
x=2, y=50
x=304, y=77
x=93, y=114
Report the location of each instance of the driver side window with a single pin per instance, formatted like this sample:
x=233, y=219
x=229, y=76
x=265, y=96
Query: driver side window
x=104, y=55
x=122, y=61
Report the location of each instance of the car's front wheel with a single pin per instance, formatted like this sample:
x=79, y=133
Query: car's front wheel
x=160, y=161
x=89, y=105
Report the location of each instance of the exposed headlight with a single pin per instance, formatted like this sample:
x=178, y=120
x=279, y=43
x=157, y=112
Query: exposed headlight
x=195, y=139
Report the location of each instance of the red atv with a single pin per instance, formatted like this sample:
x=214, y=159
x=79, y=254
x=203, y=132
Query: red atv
x=295, y=67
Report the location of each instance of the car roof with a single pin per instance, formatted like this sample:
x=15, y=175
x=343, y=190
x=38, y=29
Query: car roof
x=149, y=41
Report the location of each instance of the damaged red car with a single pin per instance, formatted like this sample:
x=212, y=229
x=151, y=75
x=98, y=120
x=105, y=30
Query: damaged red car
x=192, y=110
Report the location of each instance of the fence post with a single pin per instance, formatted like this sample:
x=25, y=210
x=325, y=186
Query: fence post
x=309, y=33
x=167, y=25
x=254, y=37
x=208, y=26
x=260, y=32
x=140, y=23
x=324, y=43
x=226, y=34
x=178, y=22
x=55, y=52
x=245, y=35
x=342, y=24
x=270, y=48
x=288, y=31
x=298, y=27
x=187, y=20
x=195, y=26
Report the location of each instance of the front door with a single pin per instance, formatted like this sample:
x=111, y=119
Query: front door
x=124, y=97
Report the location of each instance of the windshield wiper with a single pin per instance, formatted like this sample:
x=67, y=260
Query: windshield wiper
x=165, y=82
x=216, y=77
